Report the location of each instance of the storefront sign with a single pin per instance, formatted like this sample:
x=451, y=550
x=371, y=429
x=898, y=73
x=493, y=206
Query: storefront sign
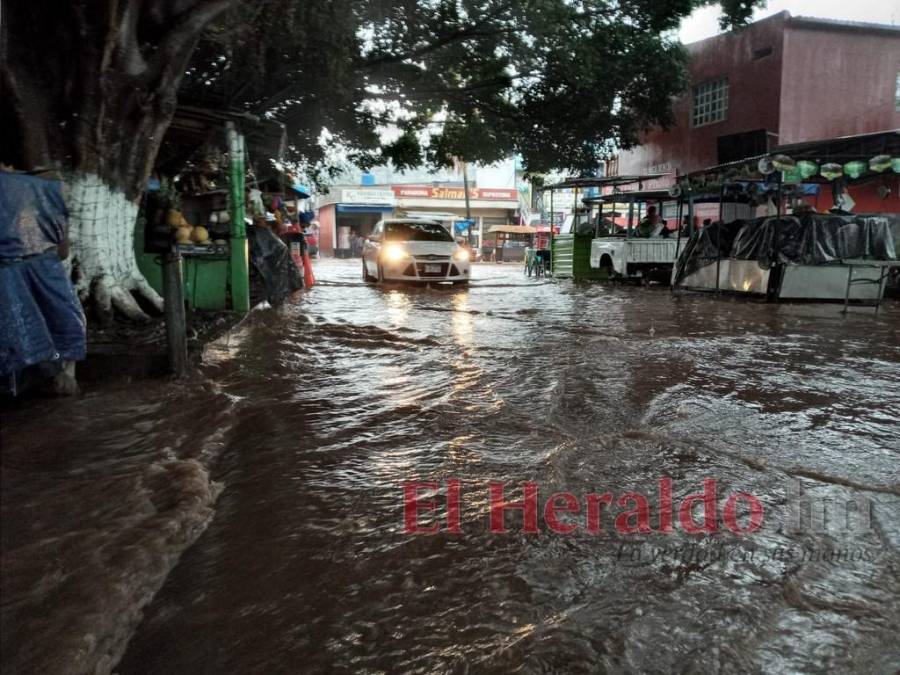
x=367, y=196
x=428, y=192
x=562, y=199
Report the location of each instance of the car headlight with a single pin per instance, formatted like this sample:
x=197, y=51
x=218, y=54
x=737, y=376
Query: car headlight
x=461, y=255
x=394, y=253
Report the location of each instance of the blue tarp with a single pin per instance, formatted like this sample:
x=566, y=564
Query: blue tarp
x=40, y=316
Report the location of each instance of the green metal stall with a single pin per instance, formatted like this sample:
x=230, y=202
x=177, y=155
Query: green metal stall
x=216, y=276
x=570, y=252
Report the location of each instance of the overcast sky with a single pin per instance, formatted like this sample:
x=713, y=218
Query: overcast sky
x=704, y=22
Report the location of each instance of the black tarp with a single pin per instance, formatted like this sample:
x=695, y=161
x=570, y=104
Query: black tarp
x=812, y=239
x=272, y=259
x=704, y=246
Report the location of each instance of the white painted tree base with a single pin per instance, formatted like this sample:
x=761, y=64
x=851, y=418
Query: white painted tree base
x=101, y=248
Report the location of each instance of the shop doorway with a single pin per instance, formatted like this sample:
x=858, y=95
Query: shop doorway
x=351, y=229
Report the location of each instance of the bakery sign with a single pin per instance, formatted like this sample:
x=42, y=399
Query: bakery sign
x=428, y=192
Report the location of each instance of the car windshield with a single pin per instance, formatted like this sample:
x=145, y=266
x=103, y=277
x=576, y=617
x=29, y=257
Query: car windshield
x=416, y=232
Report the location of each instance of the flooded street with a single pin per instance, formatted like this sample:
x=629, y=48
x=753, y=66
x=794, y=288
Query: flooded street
x=252, y=520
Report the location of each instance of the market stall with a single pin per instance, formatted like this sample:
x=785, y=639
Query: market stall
x=196, y=203
x=772, y=237
x=571, y=248
x=512, y=241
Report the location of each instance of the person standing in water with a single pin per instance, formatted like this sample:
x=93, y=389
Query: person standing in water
x=42, y=324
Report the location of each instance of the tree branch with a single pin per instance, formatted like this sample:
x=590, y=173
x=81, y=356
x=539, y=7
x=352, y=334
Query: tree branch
x=462, y=33
x=183, y=35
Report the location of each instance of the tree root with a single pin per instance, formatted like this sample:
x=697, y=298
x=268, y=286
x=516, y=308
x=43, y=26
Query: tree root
x=102, y=245
x=109, y=294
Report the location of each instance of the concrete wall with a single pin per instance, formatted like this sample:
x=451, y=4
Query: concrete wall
x=821, y=80
x=838, y=81
x=326, y=229
x=866, y=196
x=754, y=86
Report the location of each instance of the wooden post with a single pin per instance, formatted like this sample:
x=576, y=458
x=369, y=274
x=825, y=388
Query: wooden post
x=778, y=213
x=679, y=217
x=550, y=240
x=176, y=324
x=719, y=232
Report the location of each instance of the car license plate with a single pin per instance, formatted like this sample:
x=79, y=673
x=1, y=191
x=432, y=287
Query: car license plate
x=432, y=269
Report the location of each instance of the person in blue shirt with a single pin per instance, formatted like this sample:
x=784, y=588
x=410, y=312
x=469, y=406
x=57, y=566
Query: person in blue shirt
x=42, y=324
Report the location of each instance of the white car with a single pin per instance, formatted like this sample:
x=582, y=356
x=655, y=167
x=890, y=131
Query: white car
x=413, y=250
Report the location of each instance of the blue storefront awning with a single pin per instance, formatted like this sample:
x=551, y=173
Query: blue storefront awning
x=302, y=191
x=363, y=208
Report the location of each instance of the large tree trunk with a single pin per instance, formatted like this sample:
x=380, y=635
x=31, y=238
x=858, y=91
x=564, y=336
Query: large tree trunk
x=101, y=247
x=88, y=88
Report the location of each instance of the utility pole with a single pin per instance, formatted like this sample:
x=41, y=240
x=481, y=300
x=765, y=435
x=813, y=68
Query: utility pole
x=468, y=208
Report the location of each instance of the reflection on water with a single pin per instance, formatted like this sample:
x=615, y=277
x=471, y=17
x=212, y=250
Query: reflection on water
x=286, y=463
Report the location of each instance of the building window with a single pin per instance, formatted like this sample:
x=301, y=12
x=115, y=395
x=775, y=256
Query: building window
x=710, y=102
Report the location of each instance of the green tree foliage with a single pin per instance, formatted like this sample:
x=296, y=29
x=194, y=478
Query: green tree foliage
x=560, y=82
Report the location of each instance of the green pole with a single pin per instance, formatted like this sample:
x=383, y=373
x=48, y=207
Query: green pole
x=240, y=270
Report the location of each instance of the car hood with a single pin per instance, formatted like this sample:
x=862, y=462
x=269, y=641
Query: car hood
x=416, y=248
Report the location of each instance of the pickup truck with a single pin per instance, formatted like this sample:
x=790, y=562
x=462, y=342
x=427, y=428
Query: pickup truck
x=634, y=257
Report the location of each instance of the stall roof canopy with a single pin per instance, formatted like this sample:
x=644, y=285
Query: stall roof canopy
x=625, y=197
x=841, y=149
x=194, y=128
x=845, y=148
x=603, y=181
x=513, y=229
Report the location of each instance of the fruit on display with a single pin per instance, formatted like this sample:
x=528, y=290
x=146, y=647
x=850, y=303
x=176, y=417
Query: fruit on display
x=200, y=235
x=183, y=234
x=174, y=218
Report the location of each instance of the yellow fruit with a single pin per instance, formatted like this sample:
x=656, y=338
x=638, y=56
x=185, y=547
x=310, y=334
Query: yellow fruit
x=174, y=218
x=183, y=235
x=200, y=234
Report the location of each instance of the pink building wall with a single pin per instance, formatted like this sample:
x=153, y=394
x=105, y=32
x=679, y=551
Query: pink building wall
x=326, y=229
x=821, y=80
x=754, y=86
x=838, y=81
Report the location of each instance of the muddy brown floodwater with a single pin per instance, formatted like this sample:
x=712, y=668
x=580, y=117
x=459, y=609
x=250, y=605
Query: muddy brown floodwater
x=252, y=520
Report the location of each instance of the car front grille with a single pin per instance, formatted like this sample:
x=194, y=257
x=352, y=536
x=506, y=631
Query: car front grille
x=432, y=256
x=420, y=268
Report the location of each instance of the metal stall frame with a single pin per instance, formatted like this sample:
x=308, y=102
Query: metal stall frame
x=598, y=182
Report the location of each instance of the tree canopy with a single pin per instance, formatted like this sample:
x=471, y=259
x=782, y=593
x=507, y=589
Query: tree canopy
x=560, y=83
